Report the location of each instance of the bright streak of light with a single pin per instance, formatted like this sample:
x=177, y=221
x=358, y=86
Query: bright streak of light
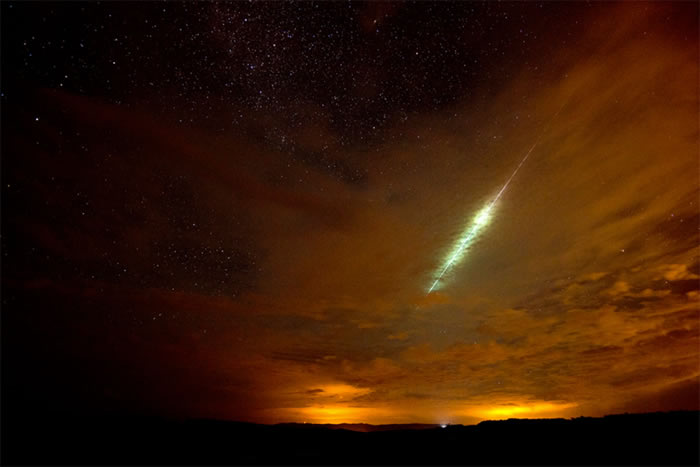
x=480, y=221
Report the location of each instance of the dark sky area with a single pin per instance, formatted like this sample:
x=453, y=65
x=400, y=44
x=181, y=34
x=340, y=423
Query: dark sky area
x=237, y=210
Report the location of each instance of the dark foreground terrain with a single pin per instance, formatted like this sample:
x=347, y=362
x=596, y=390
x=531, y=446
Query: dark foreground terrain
x=657, y=438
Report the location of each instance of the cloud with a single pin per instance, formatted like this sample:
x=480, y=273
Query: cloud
x=190, y=150
x=618, y=288
x=674, y=272
x=402, y=336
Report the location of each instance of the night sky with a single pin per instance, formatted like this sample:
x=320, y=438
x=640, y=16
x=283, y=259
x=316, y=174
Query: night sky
x=236, y=211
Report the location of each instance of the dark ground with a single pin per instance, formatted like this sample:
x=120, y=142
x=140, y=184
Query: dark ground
x=636, y=439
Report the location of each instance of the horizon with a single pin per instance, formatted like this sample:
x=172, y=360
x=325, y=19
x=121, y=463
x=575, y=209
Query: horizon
x=366, y=212
x=669, y=438
x=445, y=425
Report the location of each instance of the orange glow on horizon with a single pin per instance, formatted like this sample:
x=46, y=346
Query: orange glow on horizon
x=340, y=414
x=524, y=410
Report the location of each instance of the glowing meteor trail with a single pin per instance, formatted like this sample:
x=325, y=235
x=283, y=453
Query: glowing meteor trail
x=482, y=218
x=479, y=222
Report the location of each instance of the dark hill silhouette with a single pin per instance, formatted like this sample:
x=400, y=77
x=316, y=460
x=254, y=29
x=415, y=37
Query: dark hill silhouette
x=636, y=439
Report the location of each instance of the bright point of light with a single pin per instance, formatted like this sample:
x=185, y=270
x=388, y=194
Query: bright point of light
x=443, y=426
x=482, y=218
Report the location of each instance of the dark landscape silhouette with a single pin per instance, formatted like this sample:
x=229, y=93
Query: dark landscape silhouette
x=635, y=439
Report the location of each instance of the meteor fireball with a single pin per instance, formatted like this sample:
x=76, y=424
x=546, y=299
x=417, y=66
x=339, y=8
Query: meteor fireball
x=476, y=225
x=482, y=218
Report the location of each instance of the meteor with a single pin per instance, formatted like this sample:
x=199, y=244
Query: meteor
x=481, y=219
